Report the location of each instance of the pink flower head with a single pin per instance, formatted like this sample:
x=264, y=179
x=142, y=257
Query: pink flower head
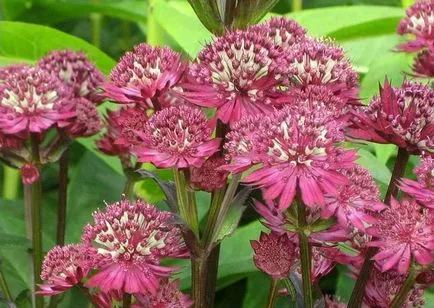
x=168, y=296
x=178, y=137
x=106, y=300
x=321, y=63
x=64, y=267
x=423, y=65
x=382, y=288
x=209, y=176
x=402, y=116
x=75, y=70
x=274, y=254
x=281, y=222
x=403, y=231
x=292, y=150
x=422, y=189
x=33, y=101
x=420, y=23
x=147, y=75
x=284, y=32
x=29, y=174
x=240, y=74
x=354, y=201
x=131, y=240
x=87, y=121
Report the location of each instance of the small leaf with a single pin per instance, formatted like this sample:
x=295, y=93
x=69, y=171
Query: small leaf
x=321, y=225
x=233, y=216
x=208, y=15
x=346, y=249
x=168, y=188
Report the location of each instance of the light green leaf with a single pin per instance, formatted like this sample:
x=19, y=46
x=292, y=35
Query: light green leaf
x=338, y=19
x=385, y=151
x=180, y=22
x=379, y=171
x=21, y=42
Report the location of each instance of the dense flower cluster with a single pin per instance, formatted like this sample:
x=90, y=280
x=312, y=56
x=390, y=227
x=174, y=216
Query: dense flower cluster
x=419, y=23
x=124, y=247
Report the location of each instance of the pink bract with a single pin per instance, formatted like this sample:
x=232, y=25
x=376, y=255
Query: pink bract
x=32, y=102
x=402, y=232
x=147, y=75
x=177, y=137
x=131, y=240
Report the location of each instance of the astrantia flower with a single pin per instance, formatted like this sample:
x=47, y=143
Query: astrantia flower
x=354, y=202
x=423, y=65
x=420, y=23
x=86, y=122
x=293, y=150
x=168, y=296
x=131, y=122
x=209, y=177
x=321, y=264
x=33, y=101
x=75, y=70
x=148, y=75
x=382, y=288
x=7, y=71
x=64, y=267
x=333, y=302
x=177, y=137
x=274, y=254
x=422, y=189
x=402, y=116
x=284, y=32
x=403, y=231
x=239, y=74
x=107, y=300
x=29, y=174
x=131, y=239
x=321, y=63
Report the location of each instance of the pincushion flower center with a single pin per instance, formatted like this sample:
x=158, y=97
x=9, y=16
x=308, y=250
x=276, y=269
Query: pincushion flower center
x=29, y=100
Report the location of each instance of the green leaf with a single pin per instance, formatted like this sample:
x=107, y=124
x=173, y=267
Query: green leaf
x=180, y=22
x=53, y=12
x=21, y=42
x=91, y=185
x=407, y=3
x=379, y=171
x=385, y=151
x=336, y=20
x=344, y=285
x=347, y=249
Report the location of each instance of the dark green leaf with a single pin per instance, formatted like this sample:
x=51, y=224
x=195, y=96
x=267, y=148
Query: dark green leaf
x=14, y=240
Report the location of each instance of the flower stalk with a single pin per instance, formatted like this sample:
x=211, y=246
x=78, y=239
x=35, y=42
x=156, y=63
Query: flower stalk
x=5, y=288
x=272, y=293
x=126, y=301
x=305, y=253
x=392, y=190
x=11, y=180
x=402, y=295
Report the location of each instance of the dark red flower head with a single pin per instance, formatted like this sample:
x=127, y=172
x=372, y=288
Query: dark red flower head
x=29, y=174
x=75, y=70
x=87, y=121
x=209, y=176
x=168, y=296
x=423, y=65
x=403, y=116
x=239, y=74
x=147, y=75
x=274, y=254
x=420, y=23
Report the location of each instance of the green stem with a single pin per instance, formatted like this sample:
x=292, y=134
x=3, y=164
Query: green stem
x=4, y=288
x=129, y=191
x=365, y=272
x=126, y=301
x=291, y=289
x=87, y=294
x=154, y=34
x=96, y=22
x=297, y=5
x=272, y=293
x=217, y=199
x=63, y=197
x=11, y=180
x=187, y=210
x=305, y=254
x=215, y=221
x=402, y=295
